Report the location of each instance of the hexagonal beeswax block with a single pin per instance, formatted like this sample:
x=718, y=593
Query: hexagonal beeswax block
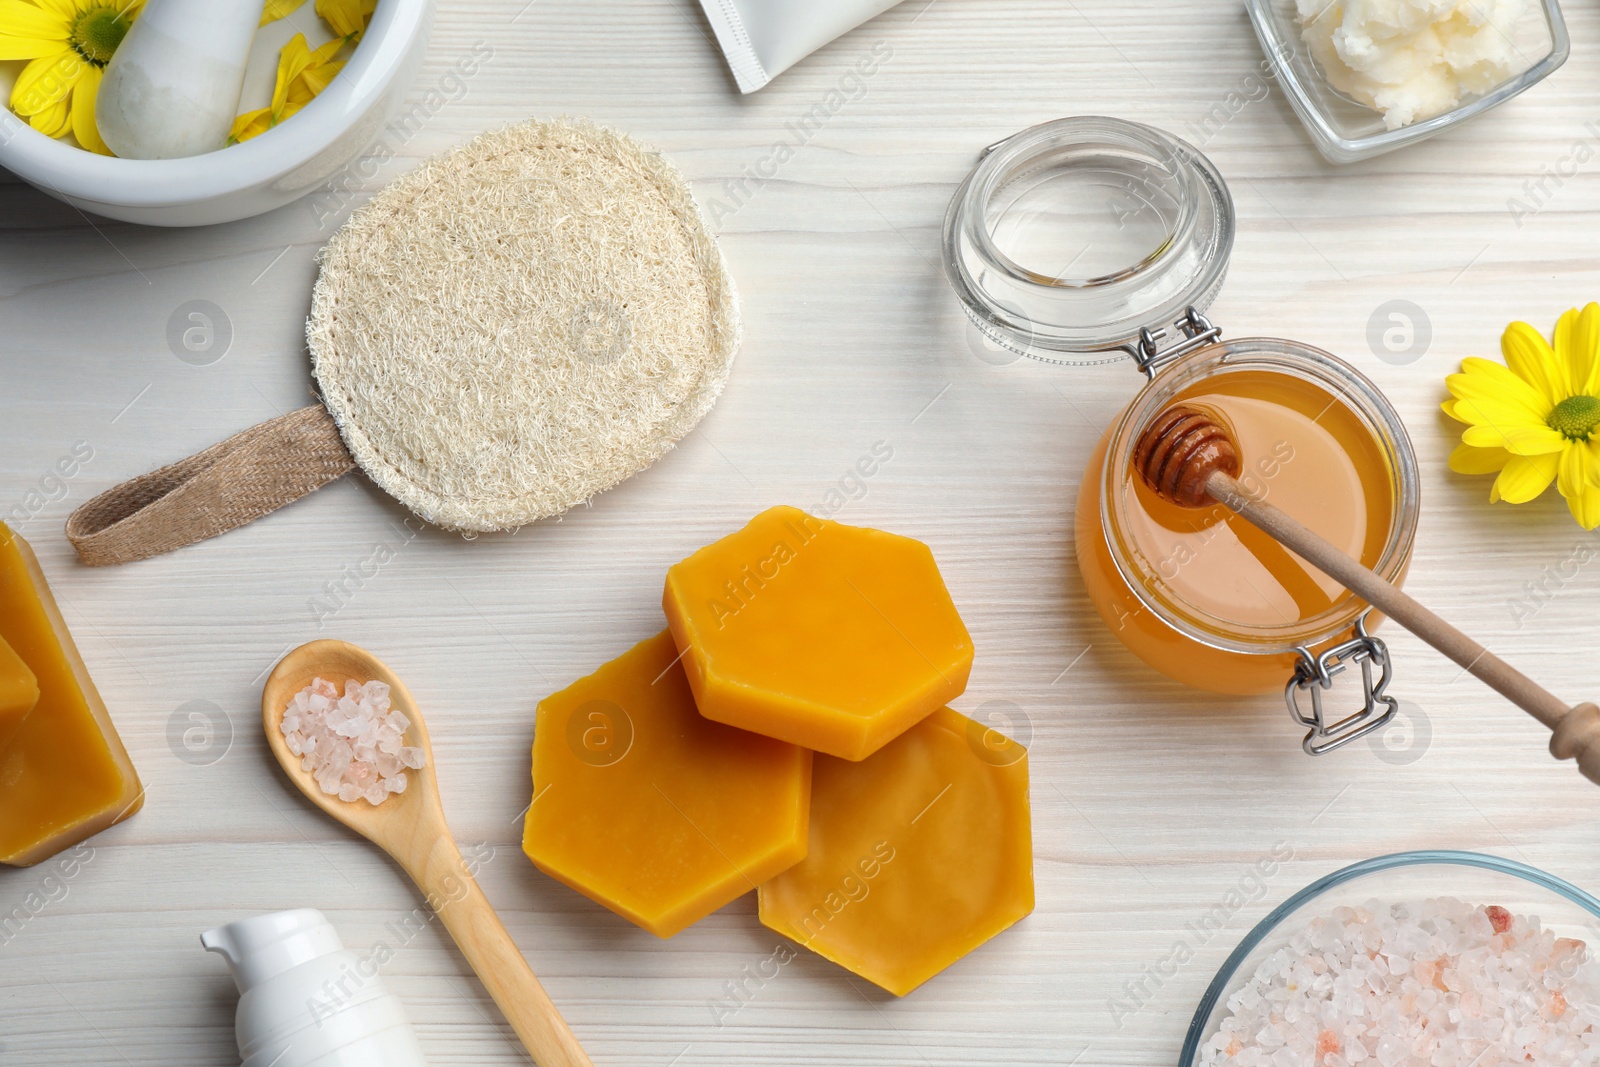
x=919, y=854
x=644, y=806
x=834, y=637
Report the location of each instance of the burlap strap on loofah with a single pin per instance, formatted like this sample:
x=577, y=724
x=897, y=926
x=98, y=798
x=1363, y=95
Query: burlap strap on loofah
x=227, y=485
x=499, y=335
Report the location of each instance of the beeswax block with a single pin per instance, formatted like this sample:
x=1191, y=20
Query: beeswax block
x=918, y=855
x=836, y=638
x=64, y=775
x=19, y=692
x=644, y=806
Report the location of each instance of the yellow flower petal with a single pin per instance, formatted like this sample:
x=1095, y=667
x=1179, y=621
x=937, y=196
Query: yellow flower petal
x=1482, y=380
x=1449, y=408
x=45, y=82
x=317, y=77
x=83, y=124
x=1521, y=441
x=326, y=52
x=1577, y=342
x=28, y=47
x=1506, y=419
x=292, y=59
x=53, y=121
x=1530, y=357
x=1575, y=472
x=1524, y=478
x=347, y=18
x=1469, y=460
x=251, y=124
x=277, y=9
x=1585, y=507
x=19, y=19
x=1496, y=425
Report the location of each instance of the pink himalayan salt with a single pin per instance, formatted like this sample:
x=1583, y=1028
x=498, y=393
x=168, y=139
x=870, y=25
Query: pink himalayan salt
x=353, y=745
x=1432, y=984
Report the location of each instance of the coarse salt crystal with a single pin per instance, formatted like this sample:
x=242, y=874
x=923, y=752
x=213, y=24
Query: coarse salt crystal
x=351, y=743
x=1437, y=983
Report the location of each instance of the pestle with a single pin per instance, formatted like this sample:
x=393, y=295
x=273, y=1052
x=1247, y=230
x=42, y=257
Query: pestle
x=172, y=88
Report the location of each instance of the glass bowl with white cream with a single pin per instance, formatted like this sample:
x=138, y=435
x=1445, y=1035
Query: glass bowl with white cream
x=1369, y=76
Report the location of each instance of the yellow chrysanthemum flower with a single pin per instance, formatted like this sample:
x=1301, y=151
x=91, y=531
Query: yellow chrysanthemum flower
x=1535, y=420
x=302, y=74
x=68, y=43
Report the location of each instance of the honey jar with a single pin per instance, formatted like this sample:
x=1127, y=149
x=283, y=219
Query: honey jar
x=1094, y=240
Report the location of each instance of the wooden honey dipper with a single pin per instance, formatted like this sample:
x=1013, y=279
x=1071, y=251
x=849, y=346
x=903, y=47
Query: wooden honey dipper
x=1190, y=459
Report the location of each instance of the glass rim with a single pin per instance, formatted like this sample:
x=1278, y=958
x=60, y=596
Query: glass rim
x=1013, y=156
x=1196, y=185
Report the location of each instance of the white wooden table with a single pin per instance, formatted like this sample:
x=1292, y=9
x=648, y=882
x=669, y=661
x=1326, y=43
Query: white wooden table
x=1151, y=802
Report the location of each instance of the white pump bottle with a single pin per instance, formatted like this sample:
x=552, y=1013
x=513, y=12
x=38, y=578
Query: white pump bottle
x=306, y=1001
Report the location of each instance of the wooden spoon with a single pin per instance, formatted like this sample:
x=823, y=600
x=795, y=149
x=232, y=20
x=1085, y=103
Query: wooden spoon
x=410, y=827
x=1188, y=458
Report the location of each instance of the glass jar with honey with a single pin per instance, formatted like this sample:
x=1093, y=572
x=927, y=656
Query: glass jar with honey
x=1088, y=240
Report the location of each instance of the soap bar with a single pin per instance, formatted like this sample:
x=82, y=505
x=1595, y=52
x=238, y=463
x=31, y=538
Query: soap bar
x=646, y=807
x=64, y=775
x=19, y=692
x=837, y=638
x=918, y=854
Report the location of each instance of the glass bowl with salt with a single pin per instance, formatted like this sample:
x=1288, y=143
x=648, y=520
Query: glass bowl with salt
x=1439, y=958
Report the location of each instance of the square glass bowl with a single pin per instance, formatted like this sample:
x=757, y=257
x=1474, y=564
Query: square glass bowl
x=1346, y=131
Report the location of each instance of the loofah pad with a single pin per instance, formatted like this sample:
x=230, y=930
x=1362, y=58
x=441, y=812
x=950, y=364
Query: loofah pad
x=521, y=323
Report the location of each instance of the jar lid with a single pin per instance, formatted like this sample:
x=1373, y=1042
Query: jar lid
x=1072, y=238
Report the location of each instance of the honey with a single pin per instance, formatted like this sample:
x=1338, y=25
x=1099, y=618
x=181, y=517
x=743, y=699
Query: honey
x=1201, y=594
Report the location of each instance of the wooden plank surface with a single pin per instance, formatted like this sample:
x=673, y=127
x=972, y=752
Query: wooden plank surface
x=1151, y=802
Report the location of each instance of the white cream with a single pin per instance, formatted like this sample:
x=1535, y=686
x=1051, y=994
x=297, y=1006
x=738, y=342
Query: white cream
x=1413, y=59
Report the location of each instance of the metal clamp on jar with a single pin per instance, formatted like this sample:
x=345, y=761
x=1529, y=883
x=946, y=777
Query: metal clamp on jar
x=1093, y=240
